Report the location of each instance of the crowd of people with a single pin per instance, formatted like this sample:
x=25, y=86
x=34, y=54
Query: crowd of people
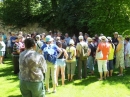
x=35, y=55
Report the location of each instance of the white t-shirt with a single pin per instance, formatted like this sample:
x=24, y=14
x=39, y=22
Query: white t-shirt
x=2, y=46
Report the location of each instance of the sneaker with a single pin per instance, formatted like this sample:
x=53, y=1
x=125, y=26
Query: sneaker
x=120, y=75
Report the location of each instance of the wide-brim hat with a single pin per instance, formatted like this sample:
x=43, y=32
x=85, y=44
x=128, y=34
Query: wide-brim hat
x=89, y=39
x=102, y=38
x=109, y=38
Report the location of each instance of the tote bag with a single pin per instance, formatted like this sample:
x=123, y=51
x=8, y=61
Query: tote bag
x=99, y=55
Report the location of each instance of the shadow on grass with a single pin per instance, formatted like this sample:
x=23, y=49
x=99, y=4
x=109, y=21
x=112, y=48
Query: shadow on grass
x=125, y=80
x=15, y=96
x=6, y=70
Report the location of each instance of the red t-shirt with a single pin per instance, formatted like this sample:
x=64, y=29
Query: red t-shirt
x=104, y=47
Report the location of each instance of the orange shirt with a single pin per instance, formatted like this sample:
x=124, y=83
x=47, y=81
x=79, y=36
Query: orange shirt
x=104, y=47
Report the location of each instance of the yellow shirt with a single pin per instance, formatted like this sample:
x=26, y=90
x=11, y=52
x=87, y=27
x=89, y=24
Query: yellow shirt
x=111, y=53
x=72, y=50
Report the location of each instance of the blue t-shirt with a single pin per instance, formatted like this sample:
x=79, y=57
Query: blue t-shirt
x=12, y=38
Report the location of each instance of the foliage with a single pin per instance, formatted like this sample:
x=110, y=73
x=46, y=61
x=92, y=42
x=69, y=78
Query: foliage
x=91, y=16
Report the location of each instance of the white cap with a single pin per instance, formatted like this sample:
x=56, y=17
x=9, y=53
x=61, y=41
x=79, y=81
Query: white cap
x=38, y=36
x=116, y=33
x=71, y=41
x=81, y=37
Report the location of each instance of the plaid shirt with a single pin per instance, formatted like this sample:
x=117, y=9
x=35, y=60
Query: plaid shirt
x=32, y=66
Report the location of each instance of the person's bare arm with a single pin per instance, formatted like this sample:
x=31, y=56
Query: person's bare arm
x=65, y=54
x=60, y=52
x=89, y=51
x=119, y=46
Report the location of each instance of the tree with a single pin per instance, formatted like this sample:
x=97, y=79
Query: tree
x=72, y=16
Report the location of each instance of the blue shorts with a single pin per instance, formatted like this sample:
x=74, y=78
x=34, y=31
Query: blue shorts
x=61, y=62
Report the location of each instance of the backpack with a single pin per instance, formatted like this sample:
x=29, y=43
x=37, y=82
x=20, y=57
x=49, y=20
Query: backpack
x=50, y=54
x=84, y=52
x=69, y=54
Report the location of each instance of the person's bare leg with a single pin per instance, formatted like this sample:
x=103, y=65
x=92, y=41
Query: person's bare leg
x=2, y=57
x=71, y=77
x=105, y=73
x=108, y=73
x=111, y=71
x=63, y=74
x=100, y=75
x=121, y=70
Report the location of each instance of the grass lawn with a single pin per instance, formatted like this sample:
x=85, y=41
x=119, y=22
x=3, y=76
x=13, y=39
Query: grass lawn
x=90, y=87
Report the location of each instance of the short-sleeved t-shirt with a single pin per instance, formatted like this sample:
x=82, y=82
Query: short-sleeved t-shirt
x=105, y=48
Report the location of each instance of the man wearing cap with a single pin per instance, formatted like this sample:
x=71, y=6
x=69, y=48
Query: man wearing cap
x=91, y=53
x=50, y=66
x=82, y=72
x=103, y=47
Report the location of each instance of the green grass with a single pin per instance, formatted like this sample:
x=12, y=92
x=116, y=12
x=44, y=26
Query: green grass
x=89, y=87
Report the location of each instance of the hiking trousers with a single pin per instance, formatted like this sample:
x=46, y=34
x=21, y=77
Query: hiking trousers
x=51, y=69
x=82, y=69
